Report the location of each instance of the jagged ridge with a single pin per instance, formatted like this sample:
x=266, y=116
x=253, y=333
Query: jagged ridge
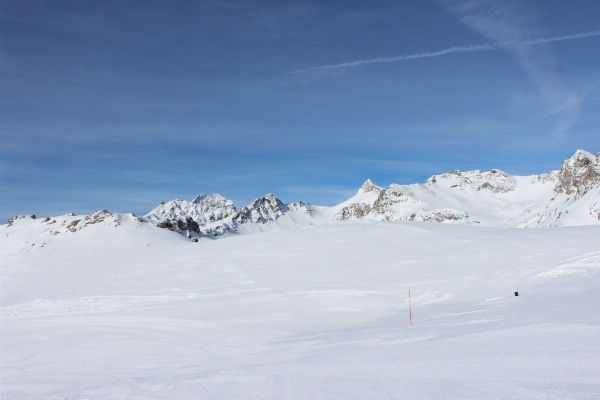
x=569, y=196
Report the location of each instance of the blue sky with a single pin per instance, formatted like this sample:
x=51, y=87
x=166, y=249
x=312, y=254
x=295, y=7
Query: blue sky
x=125, y=104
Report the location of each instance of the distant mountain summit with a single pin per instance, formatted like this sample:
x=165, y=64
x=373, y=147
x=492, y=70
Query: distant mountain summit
x=265, y=209
x=204, y=209
x=579, y=174
x=214, y=215
x=569, y=196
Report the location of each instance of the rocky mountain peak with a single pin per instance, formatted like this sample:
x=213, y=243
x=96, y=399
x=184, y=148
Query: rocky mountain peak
x=466, y=197
x=214, y=199
x=579, y=174
x=369, y=186
x=210, y=203
x=262, y=210
x=204, y=209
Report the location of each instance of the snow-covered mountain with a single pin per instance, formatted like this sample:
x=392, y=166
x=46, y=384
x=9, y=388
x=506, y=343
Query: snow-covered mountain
x=569, y=196
x=213, y=215
x=181, y=215
x=566, y=197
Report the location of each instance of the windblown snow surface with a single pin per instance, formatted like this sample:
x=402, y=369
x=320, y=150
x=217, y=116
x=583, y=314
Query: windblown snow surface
x=122, y=309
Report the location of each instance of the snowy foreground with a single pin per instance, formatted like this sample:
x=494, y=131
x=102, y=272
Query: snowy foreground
x=132, y=311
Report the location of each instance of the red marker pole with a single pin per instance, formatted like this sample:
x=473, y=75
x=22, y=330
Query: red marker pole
x=409, y=309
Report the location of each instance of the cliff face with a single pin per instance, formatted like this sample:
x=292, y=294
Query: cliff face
x=262, y=210
x=579, y=174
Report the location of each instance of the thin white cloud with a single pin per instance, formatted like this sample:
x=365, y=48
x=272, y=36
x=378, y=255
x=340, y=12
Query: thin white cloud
x=559, y=38
x=455, y=49
x=512, y=24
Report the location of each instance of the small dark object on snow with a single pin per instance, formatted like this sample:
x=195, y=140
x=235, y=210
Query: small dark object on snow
x=516, y=293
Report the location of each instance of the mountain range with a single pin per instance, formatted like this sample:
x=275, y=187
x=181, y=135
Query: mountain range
x=565, y=197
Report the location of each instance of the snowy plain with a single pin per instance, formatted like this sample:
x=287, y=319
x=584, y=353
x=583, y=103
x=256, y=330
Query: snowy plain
x=125, y=310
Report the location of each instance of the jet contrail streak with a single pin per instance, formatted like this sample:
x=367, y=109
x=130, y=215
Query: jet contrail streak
x=559, y=38
x=457, y=49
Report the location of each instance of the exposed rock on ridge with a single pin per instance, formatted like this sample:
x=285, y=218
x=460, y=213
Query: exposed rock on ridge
x=543, y=200
x=495, y=181
x=262, y=210
x=186, y=217
x=579, y=174
x=214, y=215
x=569, y=196
x=492, y=198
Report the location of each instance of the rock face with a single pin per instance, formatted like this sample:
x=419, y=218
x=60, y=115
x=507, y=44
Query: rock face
x=302, y=207
x=186, y=217
x=214, y=215
x=204, y=209
x=371, y=200
x=212, y=207
x=579, y=174
x=576, y=193
x=265, y=209
x=98, y=217
x=386, y=204
x=12, y=220
x=439, y=216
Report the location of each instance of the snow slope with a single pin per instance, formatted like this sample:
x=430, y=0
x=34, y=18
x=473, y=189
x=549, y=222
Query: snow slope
x=113, y=307
x=566, y=197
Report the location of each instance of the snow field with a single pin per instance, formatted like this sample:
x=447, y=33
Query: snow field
x=137, y=312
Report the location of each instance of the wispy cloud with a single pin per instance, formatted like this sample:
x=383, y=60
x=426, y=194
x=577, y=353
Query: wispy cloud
x=559, y=38
x=450, y=50
x=512, y=25
x=457, y=49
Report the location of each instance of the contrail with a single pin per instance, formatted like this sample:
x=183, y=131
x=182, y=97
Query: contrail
x=559, y=38
x=457, y=49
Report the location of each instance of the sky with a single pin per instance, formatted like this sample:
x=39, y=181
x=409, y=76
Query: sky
x=121, y=105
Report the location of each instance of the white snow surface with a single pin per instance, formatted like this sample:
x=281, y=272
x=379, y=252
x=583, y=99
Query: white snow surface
x=110, y=307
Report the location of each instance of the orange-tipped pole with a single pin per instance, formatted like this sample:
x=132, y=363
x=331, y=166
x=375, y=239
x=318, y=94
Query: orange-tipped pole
x=409, y=309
